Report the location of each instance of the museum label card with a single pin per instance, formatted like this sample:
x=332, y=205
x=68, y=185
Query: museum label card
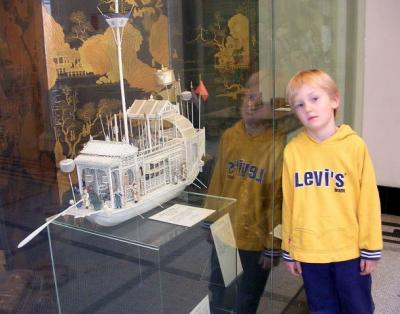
x=225, y=246
x=202, y=308
x=277, y=232
x=182, y=215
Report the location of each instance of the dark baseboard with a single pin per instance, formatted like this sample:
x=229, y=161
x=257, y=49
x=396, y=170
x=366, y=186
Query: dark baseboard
x=390, y=200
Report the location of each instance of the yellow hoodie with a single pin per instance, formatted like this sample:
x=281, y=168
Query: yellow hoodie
x=246, y=169
x=331, y=208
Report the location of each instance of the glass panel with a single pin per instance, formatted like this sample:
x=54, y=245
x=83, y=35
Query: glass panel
x=305, y=34
x=144, y=264
x=245, y=135
x=97, y=275
x=59, y=85
x=28, y=189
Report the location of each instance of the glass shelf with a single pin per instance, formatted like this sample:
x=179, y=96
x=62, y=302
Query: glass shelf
x=141, y=230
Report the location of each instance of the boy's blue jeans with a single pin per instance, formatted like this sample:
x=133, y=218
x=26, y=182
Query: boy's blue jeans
x=337, y=288
x=244, y=295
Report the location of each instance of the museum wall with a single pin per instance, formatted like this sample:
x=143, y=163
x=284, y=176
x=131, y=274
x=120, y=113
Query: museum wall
x=305, y=34
x=381, y=111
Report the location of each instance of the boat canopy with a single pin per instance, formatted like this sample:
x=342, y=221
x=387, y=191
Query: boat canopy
x=97, y=161
x=151, y=109
x=184, y=126
x=108, y=148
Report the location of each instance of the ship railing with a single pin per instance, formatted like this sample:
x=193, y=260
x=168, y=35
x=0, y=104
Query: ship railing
x=159, y=148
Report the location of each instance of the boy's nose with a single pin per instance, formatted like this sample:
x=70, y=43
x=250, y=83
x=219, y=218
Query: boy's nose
x=307, y=106
x=250, y=104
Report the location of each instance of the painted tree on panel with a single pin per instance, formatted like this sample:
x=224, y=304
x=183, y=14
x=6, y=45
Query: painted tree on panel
x=81, y=29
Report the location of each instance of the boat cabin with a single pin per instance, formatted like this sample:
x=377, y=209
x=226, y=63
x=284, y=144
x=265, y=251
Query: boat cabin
x=108, y=171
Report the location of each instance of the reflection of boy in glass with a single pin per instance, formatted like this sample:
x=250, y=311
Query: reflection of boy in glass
x=248, y=169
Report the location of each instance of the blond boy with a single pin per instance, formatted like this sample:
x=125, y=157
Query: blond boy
x=331, y=210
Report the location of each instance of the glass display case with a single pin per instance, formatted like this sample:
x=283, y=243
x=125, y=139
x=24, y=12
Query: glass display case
x=143, y=265
x=61, y=88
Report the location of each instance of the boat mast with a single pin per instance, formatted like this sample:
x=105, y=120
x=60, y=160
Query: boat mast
x=117, y=22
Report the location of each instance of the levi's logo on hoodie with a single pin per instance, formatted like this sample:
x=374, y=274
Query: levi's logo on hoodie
x=245, y=170
x=324, y=177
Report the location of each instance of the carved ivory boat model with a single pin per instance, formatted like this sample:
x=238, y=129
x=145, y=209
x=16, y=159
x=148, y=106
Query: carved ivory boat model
x=119, y=180
x=159, y=154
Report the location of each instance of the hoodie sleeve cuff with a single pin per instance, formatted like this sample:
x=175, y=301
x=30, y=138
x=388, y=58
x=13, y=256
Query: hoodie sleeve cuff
x=371, y=254
x=286, y=257
x=272, y=253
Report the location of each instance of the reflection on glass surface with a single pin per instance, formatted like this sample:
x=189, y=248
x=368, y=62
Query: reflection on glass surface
x=248, y=168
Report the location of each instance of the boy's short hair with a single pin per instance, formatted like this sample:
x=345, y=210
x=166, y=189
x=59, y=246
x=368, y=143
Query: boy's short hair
x=313, y=77
x=258, y=81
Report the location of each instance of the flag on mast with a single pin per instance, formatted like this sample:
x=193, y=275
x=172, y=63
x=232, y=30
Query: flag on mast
x=202, y=90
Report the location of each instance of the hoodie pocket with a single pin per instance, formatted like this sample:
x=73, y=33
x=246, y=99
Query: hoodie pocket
x=328, y=239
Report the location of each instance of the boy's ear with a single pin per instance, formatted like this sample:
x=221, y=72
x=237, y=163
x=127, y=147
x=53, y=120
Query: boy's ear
x=336, y=100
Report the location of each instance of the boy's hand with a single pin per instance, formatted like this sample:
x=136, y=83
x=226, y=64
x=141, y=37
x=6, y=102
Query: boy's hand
x=268, y=262
x=294, y=268
x=367, y=266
